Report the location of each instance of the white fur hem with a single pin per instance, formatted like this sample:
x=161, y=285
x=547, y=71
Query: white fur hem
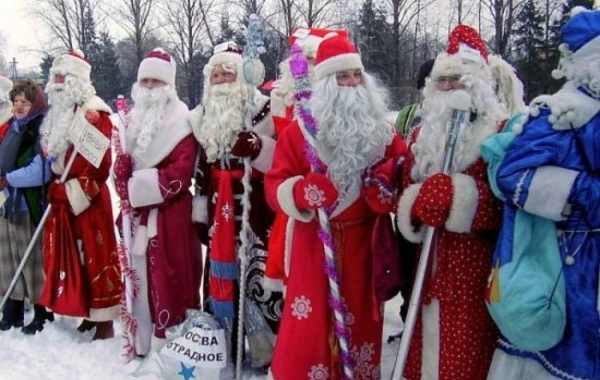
x=106, y=314
x=430, y=352
x=156, y=344
x=406, y=228
x=464, y=203
x=549, y=191
x=264, y=160
x=78, y=199
x=140, y=241
x=200, y=209
x=287, y=250
x=272, y=284
x=509, y=367
x=285, y=197
x=144, y=188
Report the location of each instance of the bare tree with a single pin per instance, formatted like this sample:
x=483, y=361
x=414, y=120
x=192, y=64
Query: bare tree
x=503, y=13
x=186, y=26
x=135, y=17
x=66, y=20
x=318, y=12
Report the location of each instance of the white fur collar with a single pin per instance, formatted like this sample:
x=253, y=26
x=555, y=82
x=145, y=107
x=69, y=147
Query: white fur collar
x=569, y=107
x=175, y=127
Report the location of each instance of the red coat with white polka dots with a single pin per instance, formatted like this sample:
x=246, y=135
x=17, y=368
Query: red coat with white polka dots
x=467, y=334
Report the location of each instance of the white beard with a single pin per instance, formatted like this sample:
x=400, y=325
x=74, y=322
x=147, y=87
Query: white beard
x=223, y=118
x=352, y=128
x=146, y=116
x=61, y=117
x=428, y=149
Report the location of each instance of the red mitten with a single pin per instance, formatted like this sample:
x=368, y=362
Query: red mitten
x=388, y=169
x=434, y=201
x=314, y=191
x=123, y=167
x=379, y=199
x=248, y=144
x=57, y=193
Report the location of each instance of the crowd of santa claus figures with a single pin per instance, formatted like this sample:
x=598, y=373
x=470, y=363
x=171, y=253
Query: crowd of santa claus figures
x=326, y=201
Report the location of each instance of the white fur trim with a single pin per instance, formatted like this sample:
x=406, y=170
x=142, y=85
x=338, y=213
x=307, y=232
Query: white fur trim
x=69, y=64
x=141, y=307
x=509, y=367
x=430, y=353
x=140, y=241
x=6, y=114
x=278, y=104
x=264, y=160
x=78, y=199
x=465, y=199
x=287, y=248
x=272, y=284
x=157, y=68
x=174, y=128
x=407, y=201
x=225, y=57
x=5, y=84
x=105, y=314
x=96, y=104
x=337, y=63
x=549, y=191
x=156, y=344
x=453, y=64
x=285, y=197
x=200, y=209
x=144, y=188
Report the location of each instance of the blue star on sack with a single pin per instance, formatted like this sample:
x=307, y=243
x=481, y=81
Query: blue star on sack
x=187, y=372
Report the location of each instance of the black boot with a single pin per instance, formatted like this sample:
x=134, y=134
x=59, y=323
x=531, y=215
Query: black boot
x=86, y=325
x=12, y=315
x=39, y=318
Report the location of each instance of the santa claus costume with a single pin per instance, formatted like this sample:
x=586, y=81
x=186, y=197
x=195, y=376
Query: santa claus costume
x=454, y=337
x=282, y=110
x=154, y=175
x=353, y=137
x=550, y=170
x=219, y=126
x=79, y=231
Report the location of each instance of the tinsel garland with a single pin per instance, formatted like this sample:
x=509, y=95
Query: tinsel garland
x=302, y=94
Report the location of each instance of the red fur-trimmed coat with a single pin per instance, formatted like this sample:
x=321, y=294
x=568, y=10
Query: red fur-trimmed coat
x=461, y=256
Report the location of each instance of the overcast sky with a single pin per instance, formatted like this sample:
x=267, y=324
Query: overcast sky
x=25, y=35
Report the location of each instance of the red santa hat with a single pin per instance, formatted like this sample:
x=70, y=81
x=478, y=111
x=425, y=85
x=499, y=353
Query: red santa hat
x=465, y=54
x=158, y=64
x=73, y=63
x=336, y=53
x=226, y=52
x=310, y=39
x=5, y=84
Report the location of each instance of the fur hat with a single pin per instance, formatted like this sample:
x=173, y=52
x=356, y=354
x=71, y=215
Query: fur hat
x=158, y=64
x=336, y=53
x=226, y=52
x=465, y=54
x=73, y=63
x=580, y=61
x=310, y=39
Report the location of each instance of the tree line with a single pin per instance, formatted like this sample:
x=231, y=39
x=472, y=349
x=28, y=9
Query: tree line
x=394, y=36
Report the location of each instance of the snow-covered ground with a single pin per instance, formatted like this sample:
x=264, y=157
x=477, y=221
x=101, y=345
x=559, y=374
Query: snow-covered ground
x=61, y=353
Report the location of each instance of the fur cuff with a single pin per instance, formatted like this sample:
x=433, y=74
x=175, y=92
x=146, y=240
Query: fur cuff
x=264, y=160
x=549, y=192
x=409, y=196
x=78, y=199
x=144, y=188
x=200, y=209
x=465, y=199
x=285, y=197
x=106, y=314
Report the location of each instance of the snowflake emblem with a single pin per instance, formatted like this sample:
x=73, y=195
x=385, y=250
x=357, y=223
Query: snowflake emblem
x=318, y=372
x=314, y=196
x=227, y=211
x=362, y=357
x=349, y=319
x=301, y=308
x=62, y=275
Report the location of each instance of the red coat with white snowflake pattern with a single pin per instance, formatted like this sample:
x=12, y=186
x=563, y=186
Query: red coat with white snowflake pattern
x=306, y=346
x=461, y=256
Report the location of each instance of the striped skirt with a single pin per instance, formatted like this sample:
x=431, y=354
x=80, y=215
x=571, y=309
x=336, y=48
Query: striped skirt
x=14, y=239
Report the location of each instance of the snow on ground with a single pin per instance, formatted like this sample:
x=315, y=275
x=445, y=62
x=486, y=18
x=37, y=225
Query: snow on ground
x=60, y=352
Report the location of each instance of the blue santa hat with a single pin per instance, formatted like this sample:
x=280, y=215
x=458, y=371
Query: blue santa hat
x=580, y=61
